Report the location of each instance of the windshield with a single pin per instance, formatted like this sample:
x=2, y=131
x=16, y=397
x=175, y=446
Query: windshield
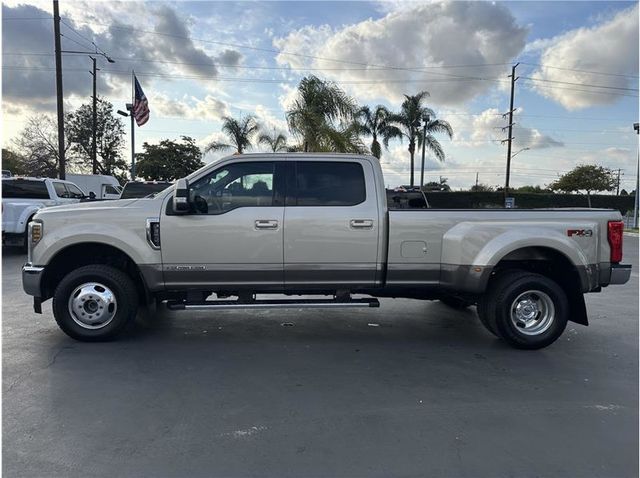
x=141, y=190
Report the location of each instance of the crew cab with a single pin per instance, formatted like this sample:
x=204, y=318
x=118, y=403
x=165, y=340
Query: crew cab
x=315, y=225
x=23, y=197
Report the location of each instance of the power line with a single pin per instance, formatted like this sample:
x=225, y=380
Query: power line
x=578, y=84
x=579, y=70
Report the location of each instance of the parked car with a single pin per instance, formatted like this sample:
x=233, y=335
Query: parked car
x=401, y=199
x=316, y=224
x=140, y=189
x=6, y=173
x=23, y=197
x=101, y=185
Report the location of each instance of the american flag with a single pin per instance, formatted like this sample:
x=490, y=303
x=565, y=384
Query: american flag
x=140, y=104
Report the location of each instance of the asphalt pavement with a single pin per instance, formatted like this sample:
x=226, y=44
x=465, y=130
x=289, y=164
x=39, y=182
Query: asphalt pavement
x=410, y=389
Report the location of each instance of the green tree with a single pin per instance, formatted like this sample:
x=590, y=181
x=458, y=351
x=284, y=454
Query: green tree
x=169, y=160
x=409, y=122
x=322, y=118
x=440, y=185
x=109, y=138
x=376, y=124
x=37, y=144
x=586, y=177
x=481, y=188
x=14, y=162
x=240, y=133
x=276, y=143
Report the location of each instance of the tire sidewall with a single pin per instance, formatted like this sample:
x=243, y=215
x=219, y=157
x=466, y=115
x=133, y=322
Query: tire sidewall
x=120, y=285
x=507, y=328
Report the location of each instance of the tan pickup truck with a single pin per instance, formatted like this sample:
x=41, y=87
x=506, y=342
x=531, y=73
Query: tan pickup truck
x=315, y=225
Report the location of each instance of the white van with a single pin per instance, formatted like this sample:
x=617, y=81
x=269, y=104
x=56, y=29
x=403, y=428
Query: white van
x=103, y=186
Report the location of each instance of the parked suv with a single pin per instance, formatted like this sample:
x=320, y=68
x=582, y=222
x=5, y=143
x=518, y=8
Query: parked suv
x=140, y=189
x=23, y=197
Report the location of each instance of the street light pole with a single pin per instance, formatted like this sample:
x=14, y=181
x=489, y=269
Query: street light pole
x=424, y=140
x=133, y=139
x=95, y=121
x=59, y=95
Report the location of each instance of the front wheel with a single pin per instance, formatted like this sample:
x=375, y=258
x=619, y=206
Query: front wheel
x=94, y=303
x=527, y=310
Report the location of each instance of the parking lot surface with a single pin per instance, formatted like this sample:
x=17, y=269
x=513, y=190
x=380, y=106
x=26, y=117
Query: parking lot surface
x=410, y=389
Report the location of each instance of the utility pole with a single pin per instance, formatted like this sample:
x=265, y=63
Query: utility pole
x=95, y=121
x=59, y=97
x=509, y=139
x=477, y=173
x=424, y=141
x=618, y=183
x=636, y=127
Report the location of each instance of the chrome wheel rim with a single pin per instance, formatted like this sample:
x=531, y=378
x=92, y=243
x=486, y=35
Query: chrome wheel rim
x=92, y=305
x=533, y=312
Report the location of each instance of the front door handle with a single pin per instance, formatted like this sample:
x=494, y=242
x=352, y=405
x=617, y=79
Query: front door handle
x=266, y=224
x=361, y=223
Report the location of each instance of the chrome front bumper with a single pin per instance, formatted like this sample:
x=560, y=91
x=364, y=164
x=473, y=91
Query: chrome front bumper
x=620, y=273
x=31, y=278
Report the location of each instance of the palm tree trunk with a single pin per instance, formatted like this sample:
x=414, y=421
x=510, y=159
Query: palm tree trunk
x=412, y=150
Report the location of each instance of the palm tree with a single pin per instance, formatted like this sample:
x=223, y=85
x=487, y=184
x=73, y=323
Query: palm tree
x=321, y=116
x=276, y=142
x=412, y=112
x=376, y=124
x=240, y=134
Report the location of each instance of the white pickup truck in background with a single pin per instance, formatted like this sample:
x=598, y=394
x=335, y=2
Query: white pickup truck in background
x=23, y=197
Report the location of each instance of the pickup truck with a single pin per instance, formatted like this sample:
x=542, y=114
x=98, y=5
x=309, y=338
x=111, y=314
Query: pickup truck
x=23, y=197
x=315, y=225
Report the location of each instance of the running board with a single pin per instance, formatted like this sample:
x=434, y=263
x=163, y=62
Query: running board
x=273, y=304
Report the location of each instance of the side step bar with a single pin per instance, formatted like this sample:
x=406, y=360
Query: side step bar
x=273, y=304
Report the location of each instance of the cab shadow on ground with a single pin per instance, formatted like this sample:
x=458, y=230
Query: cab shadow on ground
x=409, y=389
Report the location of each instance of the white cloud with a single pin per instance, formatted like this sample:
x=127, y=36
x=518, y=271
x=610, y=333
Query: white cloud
x=209, y=108
x=609, y=47
x=488, y=127
x=413, y=36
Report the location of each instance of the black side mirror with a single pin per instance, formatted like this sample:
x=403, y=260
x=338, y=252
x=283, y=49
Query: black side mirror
x=92, y=195
x=181, y=196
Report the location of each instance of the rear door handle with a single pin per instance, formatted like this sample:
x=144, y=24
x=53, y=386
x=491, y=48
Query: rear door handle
x=361, y=223
x=266, y=224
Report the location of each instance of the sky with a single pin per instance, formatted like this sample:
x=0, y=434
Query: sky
x=576, y=95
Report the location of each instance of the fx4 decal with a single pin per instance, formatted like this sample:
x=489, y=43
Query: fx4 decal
x=579, y=232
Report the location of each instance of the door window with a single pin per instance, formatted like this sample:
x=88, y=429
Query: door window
x=108, y=189
x=24, y=189
x=74, y=191
x=329, y=183
x=61, y=191
x=233, y=186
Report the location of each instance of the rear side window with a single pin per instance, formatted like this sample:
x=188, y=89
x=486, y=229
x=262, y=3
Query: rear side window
x=24, y=189
x=329, y=183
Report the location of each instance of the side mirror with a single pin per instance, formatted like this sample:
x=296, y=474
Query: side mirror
x=92, y=195
x=181, y=196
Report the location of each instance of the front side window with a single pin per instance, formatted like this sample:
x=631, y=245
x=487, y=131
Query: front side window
x=233, y=186
x=74, y=191
x=329, y=183
x=110, y=189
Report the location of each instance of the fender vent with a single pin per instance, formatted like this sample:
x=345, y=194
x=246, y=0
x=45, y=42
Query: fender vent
x=153, y=232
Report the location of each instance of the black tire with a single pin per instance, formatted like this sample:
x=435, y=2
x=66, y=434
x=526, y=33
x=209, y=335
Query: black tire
x=498, y=310
x=116, y=281
x=455, y=302
x=483, y=315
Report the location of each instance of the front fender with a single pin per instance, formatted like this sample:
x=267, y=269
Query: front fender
x=132, y=242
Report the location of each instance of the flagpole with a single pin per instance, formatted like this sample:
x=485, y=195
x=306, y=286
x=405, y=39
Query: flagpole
x=133, y=132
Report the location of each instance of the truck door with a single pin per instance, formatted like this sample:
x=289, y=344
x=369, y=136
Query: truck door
x=331, y=225
x=232, y=237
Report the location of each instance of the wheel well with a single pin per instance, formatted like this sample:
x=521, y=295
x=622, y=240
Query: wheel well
x=79, y=255
x=542, y=260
